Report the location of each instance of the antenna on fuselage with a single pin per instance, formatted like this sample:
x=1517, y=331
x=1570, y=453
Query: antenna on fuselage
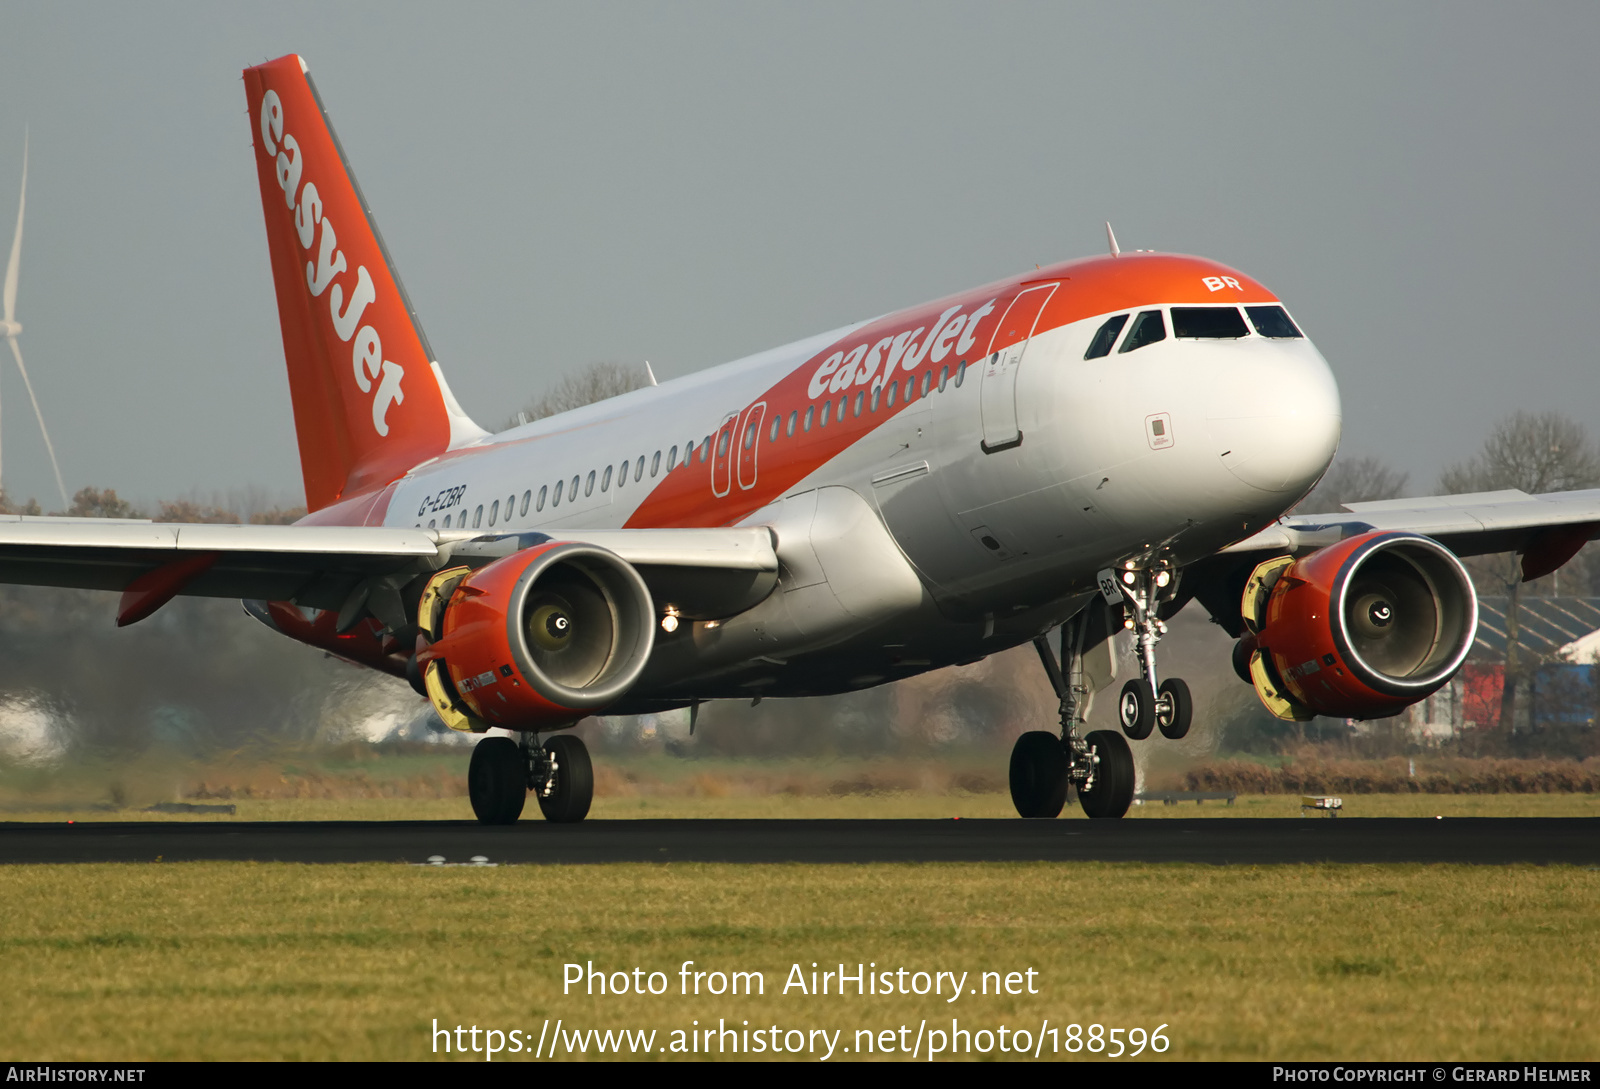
x=650, y=373
x=1111, y=239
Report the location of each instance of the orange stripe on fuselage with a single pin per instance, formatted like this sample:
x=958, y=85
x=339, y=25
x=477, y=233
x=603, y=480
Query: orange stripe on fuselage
x=1096, y=285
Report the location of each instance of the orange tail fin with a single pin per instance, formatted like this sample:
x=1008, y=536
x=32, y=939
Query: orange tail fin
x=369, y=400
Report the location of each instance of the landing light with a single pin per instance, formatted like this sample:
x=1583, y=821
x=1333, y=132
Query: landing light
x=669, y=623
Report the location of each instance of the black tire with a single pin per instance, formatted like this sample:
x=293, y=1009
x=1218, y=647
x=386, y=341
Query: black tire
x=1112, y=792
x=1039, y=775
x=414, y=677
x=1176, y=709
x=497, y=781
x=1242, y=649
x=1136, y=711
x=574, y=786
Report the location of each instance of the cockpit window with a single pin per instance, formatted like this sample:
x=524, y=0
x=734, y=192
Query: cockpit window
x=1147, y=329
x=1271, y=321
x=1208, y=322
x=1106, y=337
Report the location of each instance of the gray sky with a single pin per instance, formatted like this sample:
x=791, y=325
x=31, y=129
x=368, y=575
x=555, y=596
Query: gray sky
x=689, y=183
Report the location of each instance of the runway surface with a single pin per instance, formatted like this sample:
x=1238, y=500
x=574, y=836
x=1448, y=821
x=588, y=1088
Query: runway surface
x=1220, y=841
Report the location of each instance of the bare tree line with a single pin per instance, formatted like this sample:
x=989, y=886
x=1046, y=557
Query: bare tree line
x=105, y=503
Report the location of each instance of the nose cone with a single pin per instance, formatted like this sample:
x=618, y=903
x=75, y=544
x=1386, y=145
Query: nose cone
x=1276, y=424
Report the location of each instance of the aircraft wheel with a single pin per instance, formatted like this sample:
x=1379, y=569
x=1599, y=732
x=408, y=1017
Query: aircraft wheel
x=1242, y=649
x=569, y=796
x=1175, y=710
x=414, y=677
x=1038, y=774
x=1112, y=791
x=1135, y=710
x=497, y=781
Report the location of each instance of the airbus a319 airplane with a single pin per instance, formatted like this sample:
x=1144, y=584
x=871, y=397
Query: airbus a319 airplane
x=1082, y=448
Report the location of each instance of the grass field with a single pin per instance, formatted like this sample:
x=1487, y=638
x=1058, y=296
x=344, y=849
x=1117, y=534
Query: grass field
x=239, y=960
x=233, y=960
x=429, y=783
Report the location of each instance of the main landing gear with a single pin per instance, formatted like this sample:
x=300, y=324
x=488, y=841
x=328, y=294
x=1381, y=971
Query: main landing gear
x=1044, y=765
x=503, y=772
x=1100, y=765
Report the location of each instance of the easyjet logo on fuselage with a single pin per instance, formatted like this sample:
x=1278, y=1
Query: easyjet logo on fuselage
x=859, y=366
x=374, y=375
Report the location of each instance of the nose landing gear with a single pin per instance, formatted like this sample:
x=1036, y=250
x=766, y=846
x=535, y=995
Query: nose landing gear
x=1148, y=703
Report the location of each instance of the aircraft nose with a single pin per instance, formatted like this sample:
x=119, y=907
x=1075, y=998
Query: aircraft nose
x=1276, y=426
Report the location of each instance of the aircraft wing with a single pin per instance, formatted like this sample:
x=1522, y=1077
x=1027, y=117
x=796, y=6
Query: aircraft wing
x=1469, y=525
x=324, y=566
x=1546, y=530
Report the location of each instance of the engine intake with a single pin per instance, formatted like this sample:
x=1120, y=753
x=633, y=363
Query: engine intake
x=1360, y=629
x=535, y=640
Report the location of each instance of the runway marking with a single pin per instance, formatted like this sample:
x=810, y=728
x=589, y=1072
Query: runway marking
x=438, y=860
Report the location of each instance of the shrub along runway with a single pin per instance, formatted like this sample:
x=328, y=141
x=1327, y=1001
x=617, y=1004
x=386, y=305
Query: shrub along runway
x=1491, y=840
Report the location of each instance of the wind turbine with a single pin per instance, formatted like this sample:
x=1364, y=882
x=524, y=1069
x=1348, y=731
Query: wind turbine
x=11, y=329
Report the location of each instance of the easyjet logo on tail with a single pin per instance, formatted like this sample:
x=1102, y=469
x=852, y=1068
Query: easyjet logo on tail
x=954, y=330
x=374, y=375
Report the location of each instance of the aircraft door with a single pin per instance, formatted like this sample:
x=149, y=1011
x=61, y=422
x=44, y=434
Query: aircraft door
x=750, y=443
x=722, y=456
x=998, y=394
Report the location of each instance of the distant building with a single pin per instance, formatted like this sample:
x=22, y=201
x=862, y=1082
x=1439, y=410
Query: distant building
x=1558, y=641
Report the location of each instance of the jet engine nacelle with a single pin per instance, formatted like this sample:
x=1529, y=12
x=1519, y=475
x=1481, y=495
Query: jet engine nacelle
x=536, y=640
x=1360, y=629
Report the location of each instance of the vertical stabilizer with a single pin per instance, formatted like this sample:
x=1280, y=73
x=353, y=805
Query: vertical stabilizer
x=369, y=399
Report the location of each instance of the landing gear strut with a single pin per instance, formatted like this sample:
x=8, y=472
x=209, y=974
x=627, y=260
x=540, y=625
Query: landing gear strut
x=503, y=772
x=1099, y=765
x=1148, y=703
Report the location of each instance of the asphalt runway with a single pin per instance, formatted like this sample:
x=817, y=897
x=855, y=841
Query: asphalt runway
x=1217, y=841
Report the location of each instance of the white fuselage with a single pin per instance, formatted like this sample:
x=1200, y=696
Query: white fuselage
x=1002, y=543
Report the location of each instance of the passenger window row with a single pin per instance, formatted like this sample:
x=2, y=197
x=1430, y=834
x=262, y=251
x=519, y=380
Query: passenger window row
x=699, y=450
x=1192, y=323
x=884, y=395
x=620, y=473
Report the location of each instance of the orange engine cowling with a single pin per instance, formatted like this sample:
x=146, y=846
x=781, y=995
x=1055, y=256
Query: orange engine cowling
x=1360, y=629
x=536, y=640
